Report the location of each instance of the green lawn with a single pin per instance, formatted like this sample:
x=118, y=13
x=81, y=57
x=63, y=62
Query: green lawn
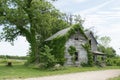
x=20, y=71
x=116, y=78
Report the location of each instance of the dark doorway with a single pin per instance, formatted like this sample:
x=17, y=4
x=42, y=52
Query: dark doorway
x=76, y=56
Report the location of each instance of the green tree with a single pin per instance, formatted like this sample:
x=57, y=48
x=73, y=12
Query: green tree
x=105, y=40
x=109, y=51
x=105, y=48
x=48, y=60
x=33, y=19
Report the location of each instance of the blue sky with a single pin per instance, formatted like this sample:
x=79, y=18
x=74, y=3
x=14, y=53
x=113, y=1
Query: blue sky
x=103, y=15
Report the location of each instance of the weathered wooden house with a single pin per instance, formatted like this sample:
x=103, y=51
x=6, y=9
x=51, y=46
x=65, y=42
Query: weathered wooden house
x=75, y=37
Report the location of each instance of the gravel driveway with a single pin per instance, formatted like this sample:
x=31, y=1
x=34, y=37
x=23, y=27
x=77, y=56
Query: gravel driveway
x=90, y=75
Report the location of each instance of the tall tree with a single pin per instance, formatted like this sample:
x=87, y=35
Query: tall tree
x=33, y=19
x=105, y=40
x=105, y=48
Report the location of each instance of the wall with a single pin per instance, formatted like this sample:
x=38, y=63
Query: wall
x=93, y=43
x=82, y=54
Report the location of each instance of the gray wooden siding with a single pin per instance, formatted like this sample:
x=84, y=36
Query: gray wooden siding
x=82, y=54
x=93, y=43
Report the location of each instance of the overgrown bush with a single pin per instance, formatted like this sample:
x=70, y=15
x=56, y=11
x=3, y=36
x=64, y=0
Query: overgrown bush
x=47, y=59
x=85, y=65
x=113, y=61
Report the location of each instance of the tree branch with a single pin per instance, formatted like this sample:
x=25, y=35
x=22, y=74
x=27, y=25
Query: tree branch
x=25, y=32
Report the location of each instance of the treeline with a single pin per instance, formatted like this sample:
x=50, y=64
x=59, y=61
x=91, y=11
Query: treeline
x=13, y=57
x=112, y=59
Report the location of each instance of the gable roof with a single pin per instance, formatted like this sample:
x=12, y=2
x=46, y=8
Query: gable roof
x=90, y=35
x=72, y=29
x=87, y=34
x=59, y=33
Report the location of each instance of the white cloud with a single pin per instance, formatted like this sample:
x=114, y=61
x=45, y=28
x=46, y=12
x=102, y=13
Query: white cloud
x=95, y=8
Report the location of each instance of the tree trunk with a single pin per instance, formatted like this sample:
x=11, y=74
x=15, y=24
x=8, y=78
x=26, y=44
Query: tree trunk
x=34, y=49
x=35, y=53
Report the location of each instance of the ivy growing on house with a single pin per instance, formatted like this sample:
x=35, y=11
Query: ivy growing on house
x=58, y=43
x=87, y=47
x=72, y=50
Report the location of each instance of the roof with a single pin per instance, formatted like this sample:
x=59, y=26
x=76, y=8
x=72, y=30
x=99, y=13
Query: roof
x=90, y=35
x=59, y=33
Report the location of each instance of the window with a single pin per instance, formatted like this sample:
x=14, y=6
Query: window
x=90, y=42
x=76, y=38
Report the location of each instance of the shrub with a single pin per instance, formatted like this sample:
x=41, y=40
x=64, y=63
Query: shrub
x=47, y=59
x=113, y=61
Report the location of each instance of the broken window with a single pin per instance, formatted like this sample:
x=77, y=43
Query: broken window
x=76, y=38
x=90, y=42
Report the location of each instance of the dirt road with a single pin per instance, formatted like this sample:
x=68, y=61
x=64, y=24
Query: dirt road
x=91, y=75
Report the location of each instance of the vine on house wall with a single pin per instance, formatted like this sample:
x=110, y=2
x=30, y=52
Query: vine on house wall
x=87, y=47
x=58, y=43
x=72, y=51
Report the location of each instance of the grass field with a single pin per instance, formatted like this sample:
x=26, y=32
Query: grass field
x=21, y=71
x=116, y=78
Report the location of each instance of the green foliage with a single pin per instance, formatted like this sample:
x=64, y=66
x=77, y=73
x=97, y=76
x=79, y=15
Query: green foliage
x=116, y=78
x=109, y=51
x=47, y=59
x=59, y=50
x=21, y=72
x=13, y=61
x=29, y=18
x=87, y=47
x=72, y=50
x=115, y=61
x=105, y=41
x=111, y=59
x=13, y=57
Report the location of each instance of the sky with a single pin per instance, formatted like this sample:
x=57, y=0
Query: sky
x=101, y=15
